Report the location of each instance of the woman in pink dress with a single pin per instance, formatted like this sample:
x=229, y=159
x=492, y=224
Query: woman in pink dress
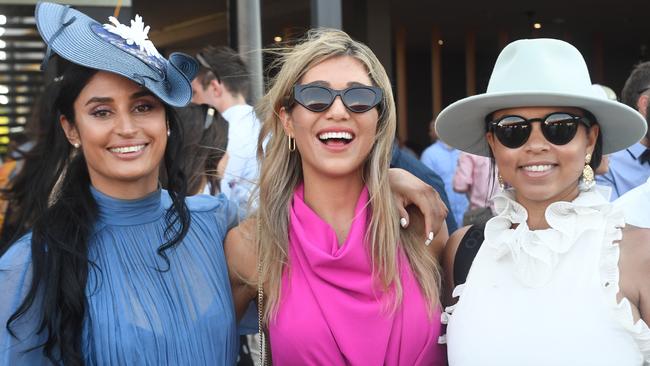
x=339, y=282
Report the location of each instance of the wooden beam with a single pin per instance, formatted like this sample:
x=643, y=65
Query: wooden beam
x=402, y=102
x=598, y=58
x=503, y=39
x=436, y=70
x=470, y=62
x=189, y=29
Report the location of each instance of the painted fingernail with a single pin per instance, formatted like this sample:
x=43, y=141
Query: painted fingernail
x=430, y=235
x=403, y=222
x=427, y=242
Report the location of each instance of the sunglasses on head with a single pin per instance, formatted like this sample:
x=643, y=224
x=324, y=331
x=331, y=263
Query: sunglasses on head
x=201, y=59
x=559, y=128
x=357, y=98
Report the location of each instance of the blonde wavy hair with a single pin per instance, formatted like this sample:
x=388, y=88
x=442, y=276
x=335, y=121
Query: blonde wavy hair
x=281, y=172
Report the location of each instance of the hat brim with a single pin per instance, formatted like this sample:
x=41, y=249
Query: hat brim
x=79, y=44
x=462, y=124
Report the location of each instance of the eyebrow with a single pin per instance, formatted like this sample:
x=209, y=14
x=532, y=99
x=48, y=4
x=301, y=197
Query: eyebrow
x=140, y=94
x=325, y=83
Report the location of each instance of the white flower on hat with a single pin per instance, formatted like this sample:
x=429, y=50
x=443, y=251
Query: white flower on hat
x=137, y=34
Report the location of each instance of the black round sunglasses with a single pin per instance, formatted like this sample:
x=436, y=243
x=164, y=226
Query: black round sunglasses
x=559, y=128
x=356, y=98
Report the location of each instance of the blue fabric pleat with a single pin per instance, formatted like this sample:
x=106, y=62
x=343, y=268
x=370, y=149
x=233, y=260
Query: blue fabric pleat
x=142, y=310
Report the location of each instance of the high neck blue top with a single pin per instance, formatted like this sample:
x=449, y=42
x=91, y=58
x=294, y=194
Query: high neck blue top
x=138, y=313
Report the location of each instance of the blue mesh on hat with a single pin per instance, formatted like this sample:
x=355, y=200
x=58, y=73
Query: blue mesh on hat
x=82, y=40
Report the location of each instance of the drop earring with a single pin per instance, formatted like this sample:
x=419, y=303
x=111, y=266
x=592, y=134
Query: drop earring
x=587, y=174
x=292, y=144
x=502, y=184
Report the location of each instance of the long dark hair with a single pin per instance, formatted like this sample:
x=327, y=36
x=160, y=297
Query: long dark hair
x=18, y=218
x=53, y=193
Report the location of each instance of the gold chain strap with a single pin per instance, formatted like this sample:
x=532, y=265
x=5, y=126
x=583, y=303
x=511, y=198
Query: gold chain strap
x=260, y=304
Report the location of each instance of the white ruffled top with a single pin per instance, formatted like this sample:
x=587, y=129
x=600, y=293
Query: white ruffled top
x=547, y=297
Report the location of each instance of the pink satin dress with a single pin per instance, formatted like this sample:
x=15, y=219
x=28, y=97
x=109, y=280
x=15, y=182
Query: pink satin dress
x=331, y=312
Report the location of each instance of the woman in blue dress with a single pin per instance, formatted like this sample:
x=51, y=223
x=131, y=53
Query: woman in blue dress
x=113, y=273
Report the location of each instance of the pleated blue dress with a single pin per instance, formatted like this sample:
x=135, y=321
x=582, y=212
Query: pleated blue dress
x=137, y=314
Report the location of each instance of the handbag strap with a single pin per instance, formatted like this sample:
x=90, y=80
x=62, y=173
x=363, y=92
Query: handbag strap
x=264, y=361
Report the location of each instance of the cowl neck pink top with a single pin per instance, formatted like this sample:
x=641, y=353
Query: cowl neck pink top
x=332, y=312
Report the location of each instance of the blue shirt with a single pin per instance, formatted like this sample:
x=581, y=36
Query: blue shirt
x=136, y=314
x=407, y=162
x=625, y=171
x=443, y=160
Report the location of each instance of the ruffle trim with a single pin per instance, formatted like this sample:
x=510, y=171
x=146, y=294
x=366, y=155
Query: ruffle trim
x=609, y=275
x=446, y=315
x=536, y=253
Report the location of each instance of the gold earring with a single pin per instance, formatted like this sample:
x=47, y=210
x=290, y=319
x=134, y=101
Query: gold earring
x=292, y=144
x=502, y=184
x=587, y=173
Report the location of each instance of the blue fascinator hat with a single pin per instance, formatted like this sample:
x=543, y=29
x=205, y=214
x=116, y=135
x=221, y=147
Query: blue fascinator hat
x=117, y=48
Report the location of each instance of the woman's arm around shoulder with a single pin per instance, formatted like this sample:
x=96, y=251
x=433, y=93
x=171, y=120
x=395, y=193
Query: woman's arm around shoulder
x=241, y=255
x=634, y=269
x=448, y=259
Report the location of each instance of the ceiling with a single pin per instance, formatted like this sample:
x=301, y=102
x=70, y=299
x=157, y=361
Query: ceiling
x=625, y=21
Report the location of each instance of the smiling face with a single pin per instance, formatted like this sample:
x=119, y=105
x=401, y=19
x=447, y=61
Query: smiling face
x=122, y=130
x=540, y=172
x=334, y=142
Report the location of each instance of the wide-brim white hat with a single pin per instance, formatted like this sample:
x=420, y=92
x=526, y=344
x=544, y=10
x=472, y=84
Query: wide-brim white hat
x=538, y=73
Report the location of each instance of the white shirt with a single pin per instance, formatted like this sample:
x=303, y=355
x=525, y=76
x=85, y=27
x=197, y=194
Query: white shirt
x=547, y=297
x=636, y=205
x=242, y=171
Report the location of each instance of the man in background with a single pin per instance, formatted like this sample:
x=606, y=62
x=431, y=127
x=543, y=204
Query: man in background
x=630, y=168
x=223, y=82
x=442, y=159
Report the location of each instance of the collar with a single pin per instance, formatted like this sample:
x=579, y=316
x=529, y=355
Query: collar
x=536, y=253
x=237, y=111
x=115, y=211
x=636, y=150
x=444, y=145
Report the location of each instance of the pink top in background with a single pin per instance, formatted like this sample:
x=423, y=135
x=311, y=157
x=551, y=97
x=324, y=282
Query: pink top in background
x=332, y=313
x=473, y=177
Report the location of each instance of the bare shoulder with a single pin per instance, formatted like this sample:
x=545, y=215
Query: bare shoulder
x=634, y=268
x=448, y=258
x=241, y=252
x=451, y=248
x=635, y=249
x=241, y=255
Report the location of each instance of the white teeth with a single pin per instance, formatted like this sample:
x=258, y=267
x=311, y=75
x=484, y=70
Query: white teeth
x=537, y=168
x=127, y=149
x=335, y=135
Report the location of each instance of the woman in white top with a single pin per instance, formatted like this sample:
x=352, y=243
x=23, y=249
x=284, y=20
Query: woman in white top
x=555, y=278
